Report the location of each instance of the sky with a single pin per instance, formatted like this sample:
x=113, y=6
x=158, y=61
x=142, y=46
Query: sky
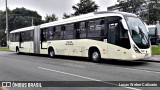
x=49, y=7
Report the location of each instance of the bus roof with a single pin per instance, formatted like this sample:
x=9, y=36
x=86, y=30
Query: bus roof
x=117, y=12
x=23, y=29
x=92, y=15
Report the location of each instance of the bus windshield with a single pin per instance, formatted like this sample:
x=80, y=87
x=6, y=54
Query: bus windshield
x=138, y=32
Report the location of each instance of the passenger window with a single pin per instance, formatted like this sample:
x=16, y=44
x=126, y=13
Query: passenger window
x=68, y=33
x=31, y=35
x=96, y=29
x=58, y=34
x=44, y=35
x=82, y=30
x=50, y=33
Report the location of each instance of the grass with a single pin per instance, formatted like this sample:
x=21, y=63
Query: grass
x=156, y=50
x=4, y=49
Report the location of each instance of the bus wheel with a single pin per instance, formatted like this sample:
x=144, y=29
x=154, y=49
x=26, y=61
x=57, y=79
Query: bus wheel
x=51, y=53
x=95, y=56
x=17, y=50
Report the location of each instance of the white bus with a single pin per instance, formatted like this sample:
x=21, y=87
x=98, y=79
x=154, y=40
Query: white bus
x=108, y=35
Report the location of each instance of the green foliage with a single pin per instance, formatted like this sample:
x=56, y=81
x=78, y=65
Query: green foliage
x=21, y=17
x=50, y=18
x=65, y=16
x=155, y=50
x=2, y=38
x=135, y=6
x=132, y=6
x=154, y=11
x=84, y=7
x=17, y=18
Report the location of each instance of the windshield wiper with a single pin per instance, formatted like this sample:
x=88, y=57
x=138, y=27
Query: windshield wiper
x=143, y=35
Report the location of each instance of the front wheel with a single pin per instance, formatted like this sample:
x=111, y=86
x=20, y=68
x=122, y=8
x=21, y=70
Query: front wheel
x=95, y=56
x=51, y=53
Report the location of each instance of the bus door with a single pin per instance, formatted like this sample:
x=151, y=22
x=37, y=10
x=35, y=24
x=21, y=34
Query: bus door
x=44, y=38
x=113, y=32
x=21, y=40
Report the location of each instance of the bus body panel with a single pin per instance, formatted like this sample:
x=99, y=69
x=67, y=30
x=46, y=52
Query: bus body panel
x=27, y=47
x=13, y=46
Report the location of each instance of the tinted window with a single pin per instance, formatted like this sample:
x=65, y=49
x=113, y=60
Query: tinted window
x=82, y=30
x=58, y=34
x=96, y=28
x=51, y=33
x=44, y=34
x=69, y=31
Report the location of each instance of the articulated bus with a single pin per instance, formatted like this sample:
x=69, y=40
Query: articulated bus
x=105, y=34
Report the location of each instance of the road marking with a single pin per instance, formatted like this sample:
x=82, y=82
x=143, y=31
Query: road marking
x=149, y=71
x=92, y=79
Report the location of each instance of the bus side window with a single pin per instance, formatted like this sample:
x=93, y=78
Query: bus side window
x=31, y=35
x=16, y=37
x=43, y=35
x=99, y=28
x=12, y=37
x=22, y=37
x=77, y=30
x=91, y=29
x=50, y=33
x=68, y=33
x=58, y=34
x=82, y=30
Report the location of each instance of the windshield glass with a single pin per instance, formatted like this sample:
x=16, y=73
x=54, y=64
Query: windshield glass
x=138, y=32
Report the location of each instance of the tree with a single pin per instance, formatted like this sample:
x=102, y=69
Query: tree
x=17, y=18
x=21, y=17
x=131, y=6
x=50, y=18
x=84, y=7
x=2, y=38
x=154, y=11
x=65, y=16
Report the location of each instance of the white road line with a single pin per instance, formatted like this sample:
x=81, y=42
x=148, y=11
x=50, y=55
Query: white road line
x=138, y=70
x=92, y=79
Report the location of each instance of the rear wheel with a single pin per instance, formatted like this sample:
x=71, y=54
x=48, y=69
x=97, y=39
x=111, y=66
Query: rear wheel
x=17, y=50
x=95, y=56
x=51, y=53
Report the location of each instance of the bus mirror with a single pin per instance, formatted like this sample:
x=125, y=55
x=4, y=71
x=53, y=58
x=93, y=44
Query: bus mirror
x=124, y=24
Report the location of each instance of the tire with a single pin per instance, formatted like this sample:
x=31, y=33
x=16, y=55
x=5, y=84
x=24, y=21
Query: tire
x=95, y=56
x=51, y=53
x=17, y=50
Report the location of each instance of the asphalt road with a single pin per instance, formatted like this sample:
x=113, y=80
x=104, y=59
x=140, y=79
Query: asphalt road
x=14, y=67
